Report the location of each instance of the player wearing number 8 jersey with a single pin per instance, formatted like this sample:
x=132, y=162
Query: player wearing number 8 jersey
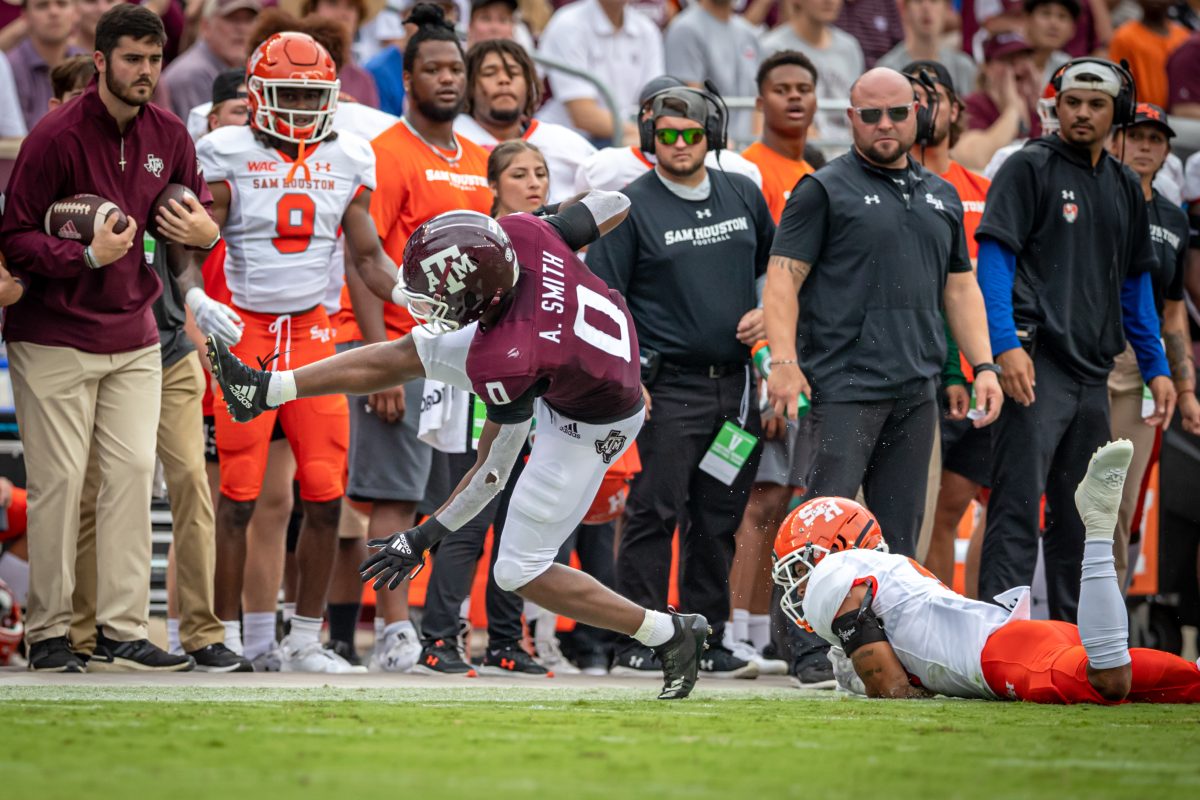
x=284, y=188
x=551, y=341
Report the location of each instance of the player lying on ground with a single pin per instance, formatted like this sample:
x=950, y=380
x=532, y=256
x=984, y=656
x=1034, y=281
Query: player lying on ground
x=898, y=632
x=551, y=340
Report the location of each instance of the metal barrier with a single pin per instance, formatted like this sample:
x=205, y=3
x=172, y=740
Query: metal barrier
x=618, y=137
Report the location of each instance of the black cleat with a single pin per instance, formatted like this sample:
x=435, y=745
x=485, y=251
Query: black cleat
x=510, y=660
x=814, y=672
x=139, y=655
x=680, y=656
x=635, y=660
x=244, y=388
x=720, y=662
x=54, y=655
x=441, y=657
x=346, y=651
x=217, y=657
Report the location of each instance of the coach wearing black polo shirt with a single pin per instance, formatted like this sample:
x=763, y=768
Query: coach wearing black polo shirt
x=687, y=260
x=870, y=249
x=1065, y=257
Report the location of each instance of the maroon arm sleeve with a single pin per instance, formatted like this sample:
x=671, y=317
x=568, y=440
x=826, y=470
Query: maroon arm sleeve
x=36, y=182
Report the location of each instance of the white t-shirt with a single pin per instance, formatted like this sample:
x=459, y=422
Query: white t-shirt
x=937, y=634
x=564, y=150
x=281, y=235
x=838, y=66
x=614, y=168
x=12, y=121
x=581, y=35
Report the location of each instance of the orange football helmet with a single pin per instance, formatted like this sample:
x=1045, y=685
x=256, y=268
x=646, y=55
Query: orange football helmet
x=821, y=526
x=614, y=490
x=291, y=60
x=11, y=629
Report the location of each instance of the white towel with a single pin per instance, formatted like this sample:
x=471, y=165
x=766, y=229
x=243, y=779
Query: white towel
x=445, y=411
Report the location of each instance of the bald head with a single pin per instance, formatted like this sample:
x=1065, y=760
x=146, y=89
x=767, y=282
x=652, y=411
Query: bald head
x=881, y=87
x=883, y=117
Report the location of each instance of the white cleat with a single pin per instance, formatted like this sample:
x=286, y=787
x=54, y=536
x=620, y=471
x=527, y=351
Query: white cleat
x=398, y=651
x=1098, y=497
x=268, y=660
x=766, y=666
x=312, y=657
x=550, y=656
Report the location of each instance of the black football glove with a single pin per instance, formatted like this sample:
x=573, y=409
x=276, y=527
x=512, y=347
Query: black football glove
x=402, y=555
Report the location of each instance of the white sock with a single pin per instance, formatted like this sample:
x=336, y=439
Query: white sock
x=402, y=625
x=305, y=630
x=657, y=628
x=282, y=388
x=260, y=633
x=1103, y=620
x=289, y=611
x=233, y=634
x=760, y=631
x=740, y=622
x=173, y=645
x=15, y=572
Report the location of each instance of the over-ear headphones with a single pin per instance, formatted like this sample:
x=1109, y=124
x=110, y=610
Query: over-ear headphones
x=926, y=114
x=1124, y=104
x=715, y=123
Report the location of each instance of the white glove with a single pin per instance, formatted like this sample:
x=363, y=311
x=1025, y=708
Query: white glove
x=843, y=671
x=214, y=318
x=398, y=295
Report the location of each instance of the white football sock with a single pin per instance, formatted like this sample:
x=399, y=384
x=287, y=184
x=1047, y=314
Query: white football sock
x=282, y=388
x=289, y=611
x=1098, y=496
x=402, y=625
x=305, y=630
x=15, y=572
x=657, y=628
x=760, y=631
x=233, y=634
x=740, y=622
x=260, y=633
x=1103, y=620
x=173, y=645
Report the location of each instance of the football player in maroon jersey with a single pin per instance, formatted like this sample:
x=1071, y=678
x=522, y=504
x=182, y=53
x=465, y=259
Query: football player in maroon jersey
x=507, y=310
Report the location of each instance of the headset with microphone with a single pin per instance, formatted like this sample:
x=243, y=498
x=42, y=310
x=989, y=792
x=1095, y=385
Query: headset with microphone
x=716, y=122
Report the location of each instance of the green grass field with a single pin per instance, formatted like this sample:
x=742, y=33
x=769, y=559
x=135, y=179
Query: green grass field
x=181, y=743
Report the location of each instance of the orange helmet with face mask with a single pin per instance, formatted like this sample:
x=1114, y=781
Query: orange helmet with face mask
x=291, y=60
x=821, y=526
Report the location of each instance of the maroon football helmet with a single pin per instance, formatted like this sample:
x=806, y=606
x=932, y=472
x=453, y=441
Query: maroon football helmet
x=457, y=265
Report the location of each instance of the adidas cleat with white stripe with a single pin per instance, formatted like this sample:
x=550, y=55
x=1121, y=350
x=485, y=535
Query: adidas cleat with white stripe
x=244, y=388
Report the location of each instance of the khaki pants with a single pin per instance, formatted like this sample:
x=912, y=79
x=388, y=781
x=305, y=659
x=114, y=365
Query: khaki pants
x=68, y=403
x=1125, y=405
x=181, y=450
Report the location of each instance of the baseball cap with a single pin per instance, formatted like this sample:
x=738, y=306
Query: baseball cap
x=1004, y=44
x=478, y=4
x=229, y=85
x=680, y=102
x=1072, y=6
x=936, y=70
x=1092, y=76
x=656, y=85
x=223, y=8
x=1150, y=114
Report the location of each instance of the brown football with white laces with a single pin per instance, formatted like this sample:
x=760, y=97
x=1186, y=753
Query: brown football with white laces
x=78, y=218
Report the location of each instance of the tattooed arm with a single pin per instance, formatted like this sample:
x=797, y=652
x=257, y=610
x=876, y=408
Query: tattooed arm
x=877, y=664
x=781, y=313
x=1177, y=340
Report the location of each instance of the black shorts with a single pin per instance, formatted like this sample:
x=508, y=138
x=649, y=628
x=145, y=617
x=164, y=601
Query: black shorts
x=210, y=438
x=967, y=450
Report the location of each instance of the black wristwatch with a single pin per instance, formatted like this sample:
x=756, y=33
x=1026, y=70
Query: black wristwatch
x=988, y=366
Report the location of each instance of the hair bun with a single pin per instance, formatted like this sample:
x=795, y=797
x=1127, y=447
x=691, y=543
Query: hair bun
x=427, y=15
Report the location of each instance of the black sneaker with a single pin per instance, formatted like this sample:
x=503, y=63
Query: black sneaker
x=593, y=662
x=814, y=672
x=720, y=662
x=244, y=388
x=636, y=661
x=217, y=657
x=54, y=655
x=510, y=660
x=441, y=657
x=140, y=655
x=681, y=655
x=346, y=651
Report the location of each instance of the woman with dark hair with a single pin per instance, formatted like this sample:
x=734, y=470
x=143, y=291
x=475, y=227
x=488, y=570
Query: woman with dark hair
x=518, y=177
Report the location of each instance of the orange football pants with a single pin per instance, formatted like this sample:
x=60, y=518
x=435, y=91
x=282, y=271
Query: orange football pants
x=318, y=428
x=16, y=516
x=1043, y=661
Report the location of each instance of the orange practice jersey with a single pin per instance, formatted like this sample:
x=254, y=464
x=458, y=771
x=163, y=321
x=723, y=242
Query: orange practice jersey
x=417, y=184
x=780, y=175
x=1147, y=53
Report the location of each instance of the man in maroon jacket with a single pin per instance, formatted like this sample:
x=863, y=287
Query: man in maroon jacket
x=83, y=344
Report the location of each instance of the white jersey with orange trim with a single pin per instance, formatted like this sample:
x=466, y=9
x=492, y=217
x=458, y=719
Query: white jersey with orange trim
x=614, y=168
x=937, y=634
x=283, y=223
x=564, y=150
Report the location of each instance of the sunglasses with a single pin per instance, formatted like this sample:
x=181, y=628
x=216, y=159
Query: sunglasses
x=671, y=135
x=872, y=116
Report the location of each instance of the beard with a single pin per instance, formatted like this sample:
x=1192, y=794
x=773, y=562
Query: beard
x=125, y=91
x=438, y=112
x=504, y=115
x=681, y=172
